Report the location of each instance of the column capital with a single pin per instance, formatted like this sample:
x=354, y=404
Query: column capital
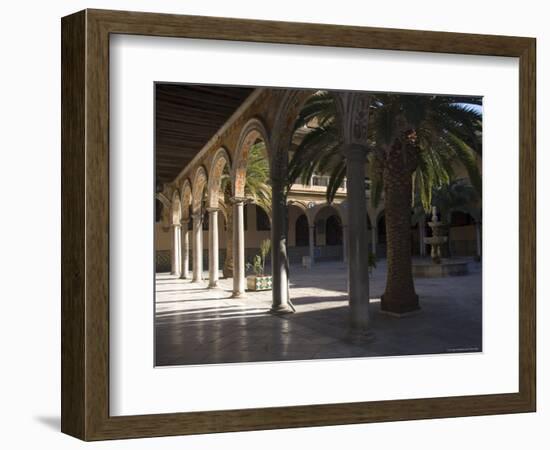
x=185, y=221
x=175, y=225
x=212, y=209
x=353, y=108
x=237, y=200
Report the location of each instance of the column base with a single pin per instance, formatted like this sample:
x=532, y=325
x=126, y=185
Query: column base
x=401, y=315
x=281, y=309
x=238, y=295
x=213, y=284
x=360, y=336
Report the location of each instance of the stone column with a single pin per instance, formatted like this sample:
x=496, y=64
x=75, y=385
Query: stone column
x=345, y=244
x=374, y=240
x=358, y=263
x=239, y=280
x=421, y=236
x=478, y=239
x=279, y=259
x=312, y=244
x=213, y=248
x=197, y=247
x=185, y=248
x=176, y=249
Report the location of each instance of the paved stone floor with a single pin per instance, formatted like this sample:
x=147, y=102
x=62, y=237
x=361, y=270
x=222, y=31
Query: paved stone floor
x=197, y=325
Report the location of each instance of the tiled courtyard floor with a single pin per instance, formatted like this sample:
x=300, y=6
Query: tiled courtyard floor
x=197, y=325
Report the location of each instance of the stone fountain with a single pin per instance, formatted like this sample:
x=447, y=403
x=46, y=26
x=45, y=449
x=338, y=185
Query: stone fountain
x=438, y=237
x=438, y=267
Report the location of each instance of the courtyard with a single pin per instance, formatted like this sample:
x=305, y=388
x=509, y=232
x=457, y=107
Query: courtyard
x=316, y=184
x=195, y=324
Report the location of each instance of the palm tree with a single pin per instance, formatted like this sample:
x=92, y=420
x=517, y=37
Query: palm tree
x=257, y=190
x=415, y=142
x=458, y=195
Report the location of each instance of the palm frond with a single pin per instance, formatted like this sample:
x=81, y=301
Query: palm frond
x=336, y=179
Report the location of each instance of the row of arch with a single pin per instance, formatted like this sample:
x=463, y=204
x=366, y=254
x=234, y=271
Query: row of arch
x=191, y=195
x=200, y=187
x=206, y=184
x=349, y=115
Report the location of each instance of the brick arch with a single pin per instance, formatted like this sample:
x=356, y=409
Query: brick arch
x=252, y=131
x=302, y=207
x=299, y=204
x=166, y=210
x=176, y=208
x=200, y=183
x=186, y=198
x=292, y=102
x=220, y=161
x=329, y=211
x=328, y=206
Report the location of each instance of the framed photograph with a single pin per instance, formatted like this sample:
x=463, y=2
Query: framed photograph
x=272, y=225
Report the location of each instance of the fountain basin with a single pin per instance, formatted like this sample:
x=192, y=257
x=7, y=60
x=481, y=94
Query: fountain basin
x=448, y=268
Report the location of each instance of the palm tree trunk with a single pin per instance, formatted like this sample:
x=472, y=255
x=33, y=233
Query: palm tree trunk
x=228, y=263
x=399, y=296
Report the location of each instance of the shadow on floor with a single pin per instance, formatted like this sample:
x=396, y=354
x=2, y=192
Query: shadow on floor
x=226, y=330
x=52, y=422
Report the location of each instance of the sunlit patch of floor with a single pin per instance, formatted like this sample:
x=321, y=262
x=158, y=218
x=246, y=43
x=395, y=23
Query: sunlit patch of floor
x=198, y=325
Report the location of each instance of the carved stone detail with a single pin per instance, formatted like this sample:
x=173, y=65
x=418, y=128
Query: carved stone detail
x=200, y=182
x=253, y=130
x=219, y=162
x=353, y=111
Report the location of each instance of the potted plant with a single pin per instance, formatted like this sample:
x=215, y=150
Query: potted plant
x=260, y=281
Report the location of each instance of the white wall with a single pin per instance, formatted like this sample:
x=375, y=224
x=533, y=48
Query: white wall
x=30, y=172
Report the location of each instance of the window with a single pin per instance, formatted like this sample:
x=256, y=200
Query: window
x=320, y=180
x=324, y=180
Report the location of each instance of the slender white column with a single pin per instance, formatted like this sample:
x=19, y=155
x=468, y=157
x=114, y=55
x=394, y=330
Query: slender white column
x=478, y=239
x=358, y=240
x=239, y=280
x=374, y=235
x=279, y=259
x=176, y=249
x=197, y=247
x=185, y=249
x=345, y=243
x=213, y=248
x=421, y=235
x=312, y=244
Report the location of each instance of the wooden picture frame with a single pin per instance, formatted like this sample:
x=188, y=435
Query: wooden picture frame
x=85, y=224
